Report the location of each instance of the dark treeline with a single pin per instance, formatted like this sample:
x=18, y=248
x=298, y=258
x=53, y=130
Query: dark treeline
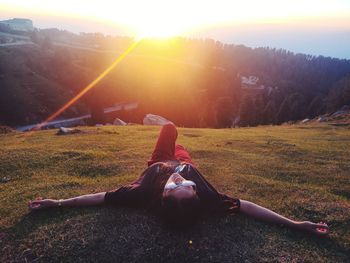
x=193, y=82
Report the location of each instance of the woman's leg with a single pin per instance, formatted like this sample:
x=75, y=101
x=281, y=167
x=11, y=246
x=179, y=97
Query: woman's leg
x=182, y=154
x=264, y=214
x=165, y=146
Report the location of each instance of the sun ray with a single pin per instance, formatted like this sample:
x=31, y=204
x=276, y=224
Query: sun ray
x=88, y=87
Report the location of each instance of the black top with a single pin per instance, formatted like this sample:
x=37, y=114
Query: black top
x=147, y=190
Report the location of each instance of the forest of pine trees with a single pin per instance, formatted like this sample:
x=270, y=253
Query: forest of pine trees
x=193, y=82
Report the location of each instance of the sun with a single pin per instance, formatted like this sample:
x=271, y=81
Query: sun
x=158, y=28
x=154, y=18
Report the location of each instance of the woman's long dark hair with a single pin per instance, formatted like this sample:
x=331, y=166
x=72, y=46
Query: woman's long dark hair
x=178, y=212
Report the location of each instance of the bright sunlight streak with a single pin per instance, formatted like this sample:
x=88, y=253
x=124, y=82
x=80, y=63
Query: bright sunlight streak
x=166, y=18
x=88, y=87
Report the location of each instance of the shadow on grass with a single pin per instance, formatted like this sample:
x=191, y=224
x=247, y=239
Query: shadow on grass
x=106, y=234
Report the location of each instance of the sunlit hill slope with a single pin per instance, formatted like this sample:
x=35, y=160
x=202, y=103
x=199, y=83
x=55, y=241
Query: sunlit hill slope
x=299, y=171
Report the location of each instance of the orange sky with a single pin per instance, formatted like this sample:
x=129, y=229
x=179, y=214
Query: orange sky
x=165, y=17
x=225, y=20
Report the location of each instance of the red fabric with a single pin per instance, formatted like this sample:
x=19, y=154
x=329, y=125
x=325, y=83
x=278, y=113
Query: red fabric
x=166, y=149
x=182, y=154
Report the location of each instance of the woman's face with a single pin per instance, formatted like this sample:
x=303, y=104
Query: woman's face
x=179, y=187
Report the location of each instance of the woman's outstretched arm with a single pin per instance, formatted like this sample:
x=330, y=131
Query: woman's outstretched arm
x=264, y=214
x=83, y=200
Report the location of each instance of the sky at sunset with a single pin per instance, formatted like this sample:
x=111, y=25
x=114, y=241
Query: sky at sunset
x=318, y=27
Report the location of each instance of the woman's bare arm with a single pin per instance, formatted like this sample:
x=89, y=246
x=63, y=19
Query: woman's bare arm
x=264, y=214
x=83, y=200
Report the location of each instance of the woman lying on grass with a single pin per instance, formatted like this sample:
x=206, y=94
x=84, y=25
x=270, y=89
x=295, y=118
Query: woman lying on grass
x=174, y=187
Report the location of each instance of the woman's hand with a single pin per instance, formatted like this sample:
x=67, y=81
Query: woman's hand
x=82, y=200
x=319, y=229
x=40, y=203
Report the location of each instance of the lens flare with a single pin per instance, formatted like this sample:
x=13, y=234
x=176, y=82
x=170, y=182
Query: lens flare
x=88, y=87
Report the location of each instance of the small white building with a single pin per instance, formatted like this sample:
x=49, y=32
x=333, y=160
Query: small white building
x=249, y=81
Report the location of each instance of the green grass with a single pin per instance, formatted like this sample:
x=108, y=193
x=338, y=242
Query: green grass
x=299, y=171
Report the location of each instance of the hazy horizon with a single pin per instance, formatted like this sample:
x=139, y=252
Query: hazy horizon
x=316, y=27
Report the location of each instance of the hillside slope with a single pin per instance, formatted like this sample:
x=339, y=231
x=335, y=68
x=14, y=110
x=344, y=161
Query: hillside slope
x=299, y=171
x=29, y=85
x=193, y=82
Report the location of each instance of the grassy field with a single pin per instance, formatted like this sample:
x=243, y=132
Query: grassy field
x=299, y=171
